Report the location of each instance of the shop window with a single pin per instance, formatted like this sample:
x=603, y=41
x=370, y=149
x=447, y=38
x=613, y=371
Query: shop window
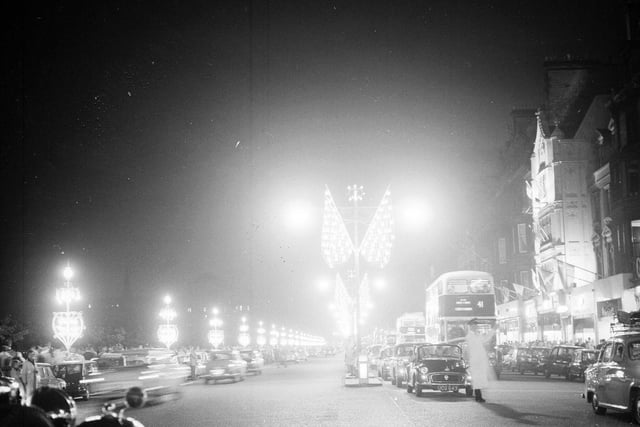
x=635, y=237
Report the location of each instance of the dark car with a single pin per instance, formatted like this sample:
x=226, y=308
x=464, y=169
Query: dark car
x=612, y=381
x=46, y=377
x=438, y=367
x=531, y=359
x=384, y=364
x=225, y=365
x=581, y=359
x=254, y=359
x=402, y=354
x=559, y=360
x=78, y=375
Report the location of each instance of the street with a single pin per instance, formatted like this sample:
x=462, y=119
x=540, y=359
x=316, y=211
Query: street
x=312, y=394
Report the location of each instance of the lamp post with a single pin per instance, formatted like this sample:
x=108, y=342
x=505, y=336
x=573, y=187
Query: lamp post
x=67, y=325
x=216, y=335
x=337, y=247
x=167, y=331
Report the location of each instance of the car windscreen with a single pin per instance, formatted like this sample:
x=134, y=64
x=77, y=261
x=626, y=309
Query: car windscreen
x=439, y=351
x=221, y=356
x=634, y=350
x=404, y=350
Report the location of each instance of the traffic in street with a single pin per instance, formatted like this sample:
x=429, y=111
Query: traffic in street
x=312, y=393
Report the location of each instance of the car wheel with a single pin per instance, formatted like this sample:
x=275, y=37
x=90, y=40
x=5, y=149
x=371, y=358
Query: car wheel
x=86, y=395
x=206, y=381
x=468, y=391
x=547, y=373
x=409, y=387
x=636, y=409
x=595, y=404
x=522, y=372
x=418, y=391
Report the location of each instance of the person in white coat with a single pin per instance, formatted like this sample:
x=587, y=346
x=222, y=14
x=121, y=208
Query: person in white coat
x=479, y=367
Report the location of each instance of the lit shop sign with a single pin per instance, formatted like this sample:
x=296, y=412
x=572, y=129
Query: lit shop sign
x=467, y=305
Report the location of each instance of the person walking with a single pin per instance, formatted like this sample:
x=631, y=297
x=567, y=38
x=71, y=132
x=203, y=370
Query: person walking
x=29, y=375
x=479, y=366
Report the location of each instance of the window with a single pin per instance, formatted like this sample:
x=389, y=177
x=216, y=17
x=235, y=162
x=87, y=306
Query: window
x=502, y=250
x=545, y=228
x=522, y=238
x=607, y=353
x=524, y=278
x=633, y=178
x=634, y=350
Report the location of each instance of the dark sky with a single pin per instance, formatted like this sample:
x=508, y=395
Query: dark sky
x=155, y=143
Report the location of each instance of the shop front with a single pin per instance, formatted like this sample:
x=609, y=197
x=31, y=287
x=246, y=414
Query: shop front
x=530, y=322
x=509, y=322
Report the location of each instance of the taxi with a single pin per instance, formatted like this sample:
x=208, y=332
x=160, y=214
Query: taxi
x=613, y=381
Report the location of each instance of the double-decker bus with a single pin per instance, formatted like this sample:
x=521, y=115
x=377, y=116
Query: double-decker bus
x=410, y=328
x=454, y=299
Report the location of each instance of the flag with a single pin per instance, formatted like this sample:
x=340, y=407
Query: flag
x=519, y=289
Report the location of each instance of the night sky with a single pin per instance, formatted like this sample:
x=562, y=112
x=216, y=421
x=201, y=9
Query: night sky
x=154, y=144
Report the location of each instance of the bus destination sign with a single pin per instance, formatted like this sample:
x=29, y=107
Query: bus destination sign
x=467, y=305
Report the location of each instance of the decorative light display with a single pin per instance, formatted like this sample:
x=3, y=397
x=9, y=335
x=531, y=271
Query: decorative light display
x=215, y=335
x=244, y=339
x=336, y=244
x=273, y=336
x=378, y=240
x=67, y=325
x=167, y=332
x=261, y=340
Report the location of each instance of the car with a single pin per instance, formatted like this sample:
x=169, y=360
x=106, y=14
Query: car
x=384, y=362
x=373, y=354
x=254, y=359
x=531, y=359
x=402, y=354
x=612, y=381
x=558, y=361
x=46, y=377
x=225, y=365
x=439, y=367
x=78, y=375
x=581, y=359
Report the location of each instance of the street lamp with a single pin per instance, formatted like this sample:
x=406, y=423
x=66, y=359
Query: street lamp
x=167, y=331
x=215, y=336
x=67, y=325
x=337, y=247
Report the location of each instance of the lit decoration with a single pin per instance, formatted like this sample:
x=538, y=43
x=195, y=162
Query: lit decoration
x=378, y=240
x=273, y=336
x=261, y=340
x=336, y=245
x=244, y=339
x=67, y=325
x=167, y=332
x=215, y=335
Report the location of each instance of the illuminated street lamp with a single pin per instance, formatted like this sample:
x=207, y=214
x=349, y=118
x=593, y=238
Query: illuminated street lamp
x=67, y=325
x=244, y=339
x=216, y=335
x=273, y=336
x=167, y=331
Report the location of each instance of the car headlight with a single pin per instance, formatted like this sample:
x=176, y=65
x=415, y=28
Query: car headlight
x=424, y=370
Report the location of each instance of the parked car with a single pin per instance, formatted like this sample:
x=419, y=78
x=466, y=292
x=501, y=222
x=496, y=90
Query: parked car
x=384, y=364
x=611, y=382
x=438, y=367
x=581, y=359
x=225, y=365
x=78, y=375
x=46, y=377
x=559, y=359
x=254, y=359
x=531, y=359
x=373, y=354
x=402, y=354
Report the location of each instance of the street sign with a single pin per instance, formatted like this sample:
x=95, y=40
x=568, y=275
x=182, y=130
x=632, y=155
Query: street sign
x=473, y=305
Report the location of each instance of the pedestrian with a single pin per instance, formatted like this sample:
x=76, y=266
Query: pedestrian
x=16, y=371
x=479, y=366
x=29, y=375
x=5, y=360
x=193, y=362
